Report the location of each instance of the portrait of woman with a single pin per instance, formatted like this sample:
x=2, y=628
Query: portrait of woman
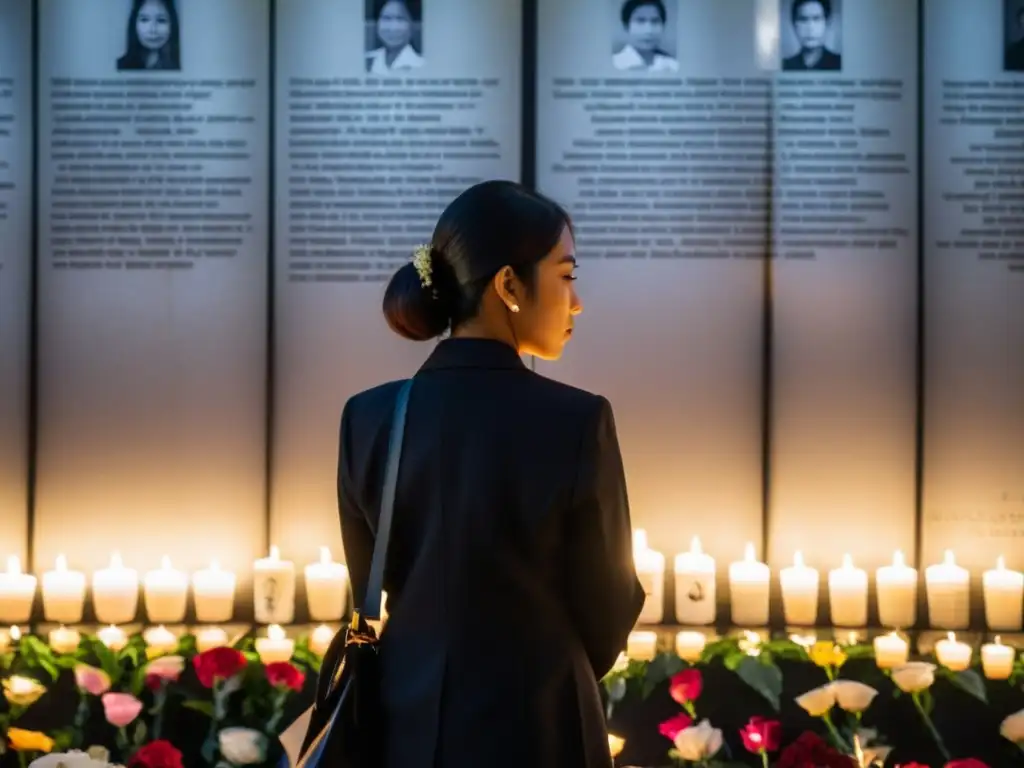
x=393, y=42
x=644, y=22
x=153, y=37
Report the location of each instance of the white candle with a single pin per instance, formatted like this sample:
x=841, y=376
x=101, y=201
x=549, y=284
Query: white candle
x=997, y=660
x=274, y=589
x=63, y=593
x=650, y=569
x=326, y=588
x=695, y=586
x=17, y=591
x=952, y=653
x=891, y=651
x=113, y=637
x=748, y=590
x=275, y=646
x=166, y=594
x=210, y=637
x=64, y=640
x=160, y=640
x=897, y=593
x=848, y=595
x=642, y=645
x=213, y=591
x=115, y=593
x=799, y=593
x=948, y=590
x=1004, y=595
x=690, y=645
x=321, y=639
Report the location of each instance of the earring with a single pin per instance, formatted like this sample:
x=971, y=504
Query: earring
x=514, y=307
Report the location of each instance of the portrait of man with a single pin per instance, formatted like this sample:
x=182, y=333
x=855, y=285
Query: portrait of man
x=1013, y=51
x=643, y=37
x=814, y=28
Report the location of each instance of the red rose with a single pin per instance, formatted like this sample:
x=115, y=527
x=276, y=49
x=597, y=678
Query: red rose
x=686, y=686
x=911, y=765
x=218, y=664
x=154, y=682
x=157, y=754
x=967, y=762
x=674, y=726
x=284, y=674
x=761, y=735
x=810, y=749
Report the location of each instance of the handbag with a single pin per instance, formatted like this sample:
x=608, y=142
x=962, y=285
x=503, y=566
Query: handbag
x=346, y=725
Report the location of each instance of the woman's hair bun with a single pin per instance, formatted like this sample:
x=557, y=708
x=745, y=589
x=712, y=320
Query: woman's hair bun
x=415, y=311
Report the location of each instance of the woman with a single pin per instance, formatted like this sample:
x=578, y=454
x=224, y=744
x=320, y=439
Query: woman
x=510, y=578
x=394, y=23
x=644, y=22
x=152, y=37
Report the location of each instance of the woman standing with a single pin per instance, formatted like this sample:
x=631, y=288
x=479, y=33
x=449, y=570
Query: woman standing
x=510, y=578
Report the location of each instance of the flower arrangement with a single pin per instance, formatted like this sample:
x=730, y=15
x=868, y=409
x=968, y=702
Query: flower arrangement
x=838, y=705
x=140, y=709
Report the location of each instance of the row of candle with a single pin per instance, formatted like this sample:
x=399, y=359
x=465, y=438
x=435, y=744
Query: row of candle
x=115, y=592
x=891, y=650
x=275, y=646
x=947, y=587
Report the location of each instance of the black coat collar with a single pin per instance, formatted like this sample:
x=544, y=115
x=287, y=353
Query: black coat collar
x=473, y=353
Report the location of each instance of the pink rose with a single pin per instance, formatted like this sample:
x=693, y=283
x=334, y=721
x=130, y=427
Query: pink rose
x=166, y=668
x=675, y=725
x=120, y=709
x=91, y=680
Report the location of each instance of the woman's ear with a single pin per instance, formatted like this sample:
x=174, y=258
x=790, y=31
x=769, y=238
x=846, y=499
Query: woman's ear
x=507, y=287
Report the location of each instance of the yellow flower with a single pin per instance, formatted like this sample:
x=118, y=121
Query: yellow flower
x=22, y=691
x=615, y=744
x=29, y=741
x=827, y=654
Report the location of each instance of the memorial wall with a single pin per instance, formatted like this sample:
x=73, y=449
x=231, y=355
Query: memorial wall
x=973, y=470
x=366, y=158
x=799, y=234
x=15, y=270
x=152, y=257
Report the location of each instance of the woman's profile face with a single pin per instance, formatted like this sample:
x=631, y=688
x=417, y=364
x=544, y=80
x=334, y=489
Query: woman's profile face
x=394, y=25
x=153, y=25
x=546, y=318
x=645, y=28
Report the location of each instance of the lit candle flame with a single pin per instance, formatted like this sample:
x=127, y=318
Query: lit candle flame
x=748, y=552
x=214, y=565
x=639, y=540
x=274, y=632
x=61, y=563
x=897, y=559
x=13, y=565
x=275, y=553
x=695, y=546
x=325, y=555
x=15, y=634
x=798, y=559
x=165, y=563
x=847, y=562
x=951, y=636
x=1000, y=563
x=115, y=561
x=948, y=557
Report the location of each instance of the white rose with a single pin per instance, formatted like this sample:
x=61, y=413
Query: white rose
x=1012, y=728
x=242, y=746
x=853, y=696
x=818, y=701
x=73, y=759
x=914, y=676
x=698, y=742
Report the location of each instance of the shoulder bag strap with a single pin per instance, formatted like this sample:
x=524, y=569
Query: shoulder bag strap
x=375, y=584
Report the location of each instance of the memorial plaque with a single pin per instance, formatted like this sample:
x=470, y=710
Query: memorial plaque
x=654, y=132
x=385, y=113
x=973, y=494
x=844, y=283
x=15, y=271
x=153, y=200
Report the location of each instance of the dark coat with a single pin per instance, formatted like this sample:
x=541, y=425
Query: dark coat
x=829, y=61
x=510, y=580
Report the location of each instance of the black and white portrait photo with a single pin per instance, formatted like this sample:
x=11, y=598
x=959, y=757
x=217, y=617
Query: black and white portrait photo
x=1013, y=45
x=152, y=38
x=394, y=36
x=810, y=35
x=645, y=36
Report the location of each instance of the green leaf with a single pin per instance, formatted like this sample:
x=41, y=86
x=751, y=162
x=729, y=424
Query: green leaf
x=733, y=660
x=859, y=651
x=252, y=657
x=62, y=739
x=723, y=647
x=971, y=682
x=140, y=734
x=206, y=707
x=66, y=662
x=766, y=679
